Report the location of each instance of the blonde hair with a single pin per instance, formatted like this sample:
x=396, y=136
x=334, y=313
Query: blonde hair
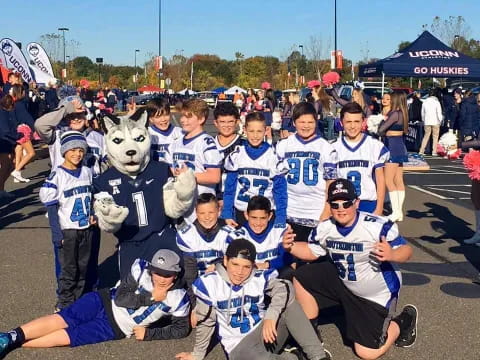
x=399, y=102
x=295, y=98
x=361, y=99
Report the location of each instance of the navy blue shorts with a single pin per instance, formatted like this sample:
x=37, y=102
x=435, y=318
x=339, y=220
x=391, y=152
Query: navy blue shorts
x=87, y=321
x=367, y=206
x=268, y=118
x=397, y=148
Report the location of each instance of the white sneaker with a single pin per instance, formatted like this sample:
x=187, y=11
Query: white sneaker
x=17, y=175
x=473, y=240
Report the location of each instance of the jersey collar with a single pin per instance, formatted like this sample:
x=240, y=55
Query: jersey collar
x=259, y=238
x=186, y=141
x=345, y=230
x=162, y=132
x=75, y=172
x=255, y=152
x=355, y=148
x=307, y=141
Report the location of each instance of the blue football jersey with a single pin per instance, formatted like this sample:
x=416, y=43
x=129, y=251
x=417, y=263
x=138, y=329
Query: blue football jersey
x=143, y=196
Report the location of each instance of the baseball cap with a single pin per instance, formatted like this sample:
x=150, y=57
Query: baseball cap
x=341, y=189
x=72, y=140
x=165, y=263
x=241, y=248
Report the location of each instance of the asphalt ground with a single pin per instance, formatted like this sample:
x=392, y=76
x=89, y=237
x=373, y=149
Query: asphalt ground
x=439, y=279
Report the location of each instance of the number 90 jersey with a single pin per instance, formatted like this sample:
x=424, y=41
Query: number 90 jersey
x=351, y=251
x=254, y=176
x=307, y=164
x=358, y=162
x=73, y=193
x=239, y=308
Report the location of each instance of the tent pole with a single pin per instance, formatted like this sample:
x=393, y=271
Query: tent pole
x=383, y=82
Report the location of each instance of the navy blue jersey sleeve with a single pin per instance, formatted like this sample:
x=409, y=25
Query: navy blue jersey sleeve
x=229, y=195
x=280, y=198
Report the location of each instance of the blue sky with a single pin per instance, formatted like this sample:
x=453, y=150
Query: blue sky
x=113, y=30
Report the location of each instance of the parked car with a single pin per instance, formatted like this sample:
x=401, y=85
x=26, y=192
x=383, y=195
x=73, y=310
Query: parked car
x=209, y=97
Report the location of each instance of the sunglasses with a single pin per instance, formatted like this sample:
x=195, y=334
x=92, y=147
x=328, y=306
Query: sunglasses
x=345, y=204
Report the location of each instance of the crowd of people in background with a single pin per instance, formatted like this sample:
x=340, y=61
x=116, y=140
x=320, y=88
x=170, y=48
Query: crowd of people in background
x=281, y=179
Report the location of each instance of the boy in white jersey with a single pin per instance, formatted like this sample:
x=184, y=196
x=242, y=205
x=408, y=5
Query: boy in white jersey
x=232, y=299
x=267, y=237
x=252, y=170
x=67, y=194
x=162, y=132
x=226, y=120
x=196, y=150
x=149, y=293
x=361, y=274
x=71, y=114
x=361, y=159
x=311, y=165
x=202, y=242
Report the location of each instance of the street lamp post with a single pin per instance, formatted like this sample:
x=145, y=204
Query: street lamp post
x=455, y=42
x=63, y=29
x=335, y=58
x=159, y=40
x=136, y=50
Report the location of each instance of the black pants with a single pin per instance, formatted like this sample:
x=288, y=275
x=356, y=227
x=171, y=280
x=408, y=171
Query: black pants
x=74, y=258
x=129, y=251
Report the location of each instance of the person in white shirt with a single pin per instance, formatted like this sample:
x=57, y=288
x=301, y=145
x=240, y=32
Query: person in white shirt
x=432, y=118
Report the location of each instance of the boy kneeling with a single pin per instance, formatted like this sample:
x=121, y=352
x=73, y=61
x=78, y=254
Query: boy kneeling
x=146, y=295
x=234, y=299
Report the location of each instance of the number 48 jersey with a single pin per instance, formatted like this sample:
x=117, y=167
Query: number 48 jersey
x=72, y=191
x=308, y=164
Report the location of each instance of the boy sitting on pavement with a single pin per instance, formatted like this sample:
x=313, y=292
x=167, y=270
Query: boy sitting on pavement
x=234, y=300
x=149, y=293
x=361, y=274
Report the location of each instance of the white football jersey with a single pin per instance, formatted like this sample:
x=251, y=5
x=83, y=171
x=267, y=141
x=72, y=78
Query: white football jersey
x=307, y=166
x=239, y=309
x=206, y=252
x=225, y=151
x=198, y=153
x=96, y=152
x=162, y=140
x=255, y=176
x=351, y=248
x=175, y=304
x=358, y=162
x=72, y=193
x=268, y=244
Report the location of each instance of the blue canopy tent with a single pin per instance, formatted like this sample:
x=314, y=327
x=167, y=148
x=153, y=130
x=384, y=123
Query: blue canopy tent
x=425, y=57
x=219, y=90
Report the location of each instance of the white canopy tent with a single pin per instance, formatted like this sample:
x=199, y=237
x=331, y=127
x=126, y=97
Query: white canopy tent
x=190, y=92
x=233, y=89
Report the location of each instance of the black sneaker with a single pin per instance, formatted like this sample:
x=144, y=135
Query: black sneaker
x=407, y=321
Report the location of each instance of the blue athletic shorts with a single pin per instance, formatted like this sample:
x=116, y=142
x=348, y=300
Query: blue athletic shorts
x=367, y=205
x=87, y=321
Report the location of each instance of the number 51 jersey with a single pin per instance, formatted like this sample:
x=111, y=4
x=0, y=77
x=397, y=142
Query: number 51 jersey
x=307, y=164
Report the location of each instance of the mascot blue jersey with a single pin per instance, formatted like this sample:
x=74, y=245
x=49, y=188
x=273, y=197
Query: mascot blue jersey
x=143, y=196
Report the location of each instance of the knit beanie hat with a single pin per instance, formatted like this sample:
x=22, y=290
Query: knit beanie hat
x=72, y=140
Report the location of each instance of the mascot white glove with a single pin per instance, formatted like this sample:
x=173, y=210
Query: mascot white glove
x=110, y=216
x=179, y=194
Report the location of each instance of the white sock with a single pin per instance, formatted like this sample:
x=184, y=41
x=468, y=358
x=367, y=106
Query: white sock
x=394, y=202
x=401, y=200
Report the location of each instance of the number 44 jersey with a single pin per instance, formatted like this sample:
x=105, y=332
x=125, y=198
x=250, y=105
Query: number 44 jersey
x=72, y=191
x=307, y=164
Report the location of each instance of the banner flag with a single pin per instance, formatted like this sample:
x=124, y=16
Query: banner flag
x=42, y=77
x=39, y=57
x=15, y=60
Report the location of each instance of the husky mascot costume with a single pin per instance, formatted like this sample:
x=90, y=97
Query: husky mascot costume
x=135, y=199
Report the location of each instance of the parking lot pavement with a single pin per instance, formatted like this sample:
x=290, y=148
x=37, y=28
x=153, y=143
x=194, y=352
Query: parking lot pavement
x=438, y=280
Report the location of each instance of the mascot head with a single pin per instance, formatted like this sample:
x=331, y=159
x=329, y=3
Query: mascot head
x=128, y=143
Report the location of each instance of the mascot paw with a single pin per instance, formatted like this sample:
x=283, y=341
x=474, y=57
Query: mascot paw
x=179, y=193
x=110, y=215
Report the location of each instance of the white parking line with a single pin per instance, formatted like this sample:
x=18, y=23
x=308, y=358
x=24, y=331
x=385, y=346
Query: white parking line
x=429, y=192
x=433, y=173
x=449, y=185
x=450, y=190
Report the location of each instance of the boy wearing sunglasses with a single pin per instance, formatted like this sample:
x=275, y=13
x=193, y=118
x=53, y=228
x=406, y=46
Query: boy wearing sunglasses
x=361, y=274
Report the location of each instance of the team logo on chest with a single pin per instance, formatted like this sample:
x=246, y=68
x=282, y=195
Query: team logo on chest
x=115, y=183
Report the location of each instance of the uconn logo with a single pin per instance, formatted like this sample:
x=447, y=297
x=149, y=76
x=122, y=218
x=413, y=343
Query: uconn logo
x=433, y=54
